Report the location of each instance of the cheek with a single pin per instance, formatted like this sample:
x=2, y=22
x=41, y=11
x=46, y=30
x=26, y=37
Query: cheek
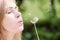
x=10, y=23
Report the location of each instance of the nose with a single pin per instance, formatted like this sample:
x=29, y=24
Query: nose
x=17, y=14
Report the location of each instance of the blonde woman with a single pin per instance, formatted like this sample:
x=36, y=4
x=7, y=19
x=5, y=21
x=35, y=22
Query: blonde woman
x=11, y=23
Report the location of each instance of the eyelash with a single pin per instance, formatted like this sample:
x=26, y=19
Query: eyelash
x=9, y=12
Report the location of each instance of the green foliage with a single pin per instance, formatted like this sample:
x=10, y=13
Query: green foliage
x=48, y=12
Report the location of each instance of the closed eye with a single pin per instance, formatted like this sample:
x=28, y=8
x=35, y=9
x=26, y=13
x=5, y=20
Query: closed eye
x=9, y=12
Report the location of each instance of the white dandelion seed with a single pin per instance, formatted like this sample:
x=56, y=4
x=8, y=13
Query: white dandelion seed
x=29, y=14
x=34, y=20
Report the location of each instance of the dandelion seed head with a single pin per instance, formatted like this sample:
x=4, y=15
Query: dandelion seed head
x=34, y=20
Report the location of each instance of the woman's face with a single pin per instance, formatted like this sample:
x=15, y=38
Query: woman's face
x=12, y=19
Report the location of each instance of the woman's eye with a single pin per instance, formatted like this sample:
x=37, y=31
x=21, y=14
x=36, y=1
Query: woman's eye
x=9, y=12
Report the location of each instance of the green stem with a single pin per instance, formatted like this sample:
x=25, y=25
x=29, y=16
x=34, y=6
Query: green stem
x=36, y=31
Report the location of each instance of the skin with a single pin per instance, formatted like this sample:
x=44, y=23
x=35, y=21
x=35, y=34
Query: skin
x=12, y=22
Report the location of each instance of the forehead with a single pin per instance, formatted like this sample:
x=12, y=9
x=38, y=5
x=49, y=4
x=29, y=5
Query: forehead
x=10, y=4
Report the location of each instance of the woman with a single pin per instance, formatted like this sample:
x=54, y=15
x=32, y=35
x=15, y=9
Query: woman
x=11, y=23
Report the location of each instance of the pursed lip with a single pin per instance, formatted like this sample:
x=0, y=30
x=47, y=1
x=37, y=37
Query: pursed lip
x=20, y=22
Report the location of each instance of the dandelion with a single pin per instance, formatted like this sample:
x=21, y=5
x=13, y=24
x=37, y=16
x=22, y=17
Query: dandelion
x=34, y=21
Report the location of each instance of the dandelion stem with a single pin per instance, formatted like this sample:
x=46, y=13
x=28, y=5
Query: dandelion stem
x=36, y=31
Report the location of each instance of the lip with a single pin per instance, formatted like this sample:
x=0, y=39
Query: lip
x=20, y=22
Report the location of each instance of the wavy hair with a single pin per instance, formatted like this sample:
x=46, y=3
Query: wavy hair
x=2, y=12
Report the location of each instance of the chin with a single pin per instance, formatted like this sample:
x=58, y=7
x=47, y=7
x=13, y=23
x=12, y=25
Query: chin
x=21, y=28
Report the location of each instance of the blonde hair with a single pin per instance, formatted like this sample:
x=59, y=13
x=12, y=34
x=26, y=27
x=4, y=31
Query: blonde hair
x=2, y=12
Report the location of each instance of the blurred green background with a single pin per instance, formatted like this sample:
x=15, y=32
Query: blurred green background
x=48, y=13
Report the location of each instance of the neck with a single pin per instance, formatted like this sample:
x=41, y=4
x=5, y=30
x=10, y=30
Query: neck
x=7, y=35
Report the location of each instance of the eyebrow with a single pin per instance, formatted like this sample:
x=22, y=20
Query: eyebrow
x=12, y=7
